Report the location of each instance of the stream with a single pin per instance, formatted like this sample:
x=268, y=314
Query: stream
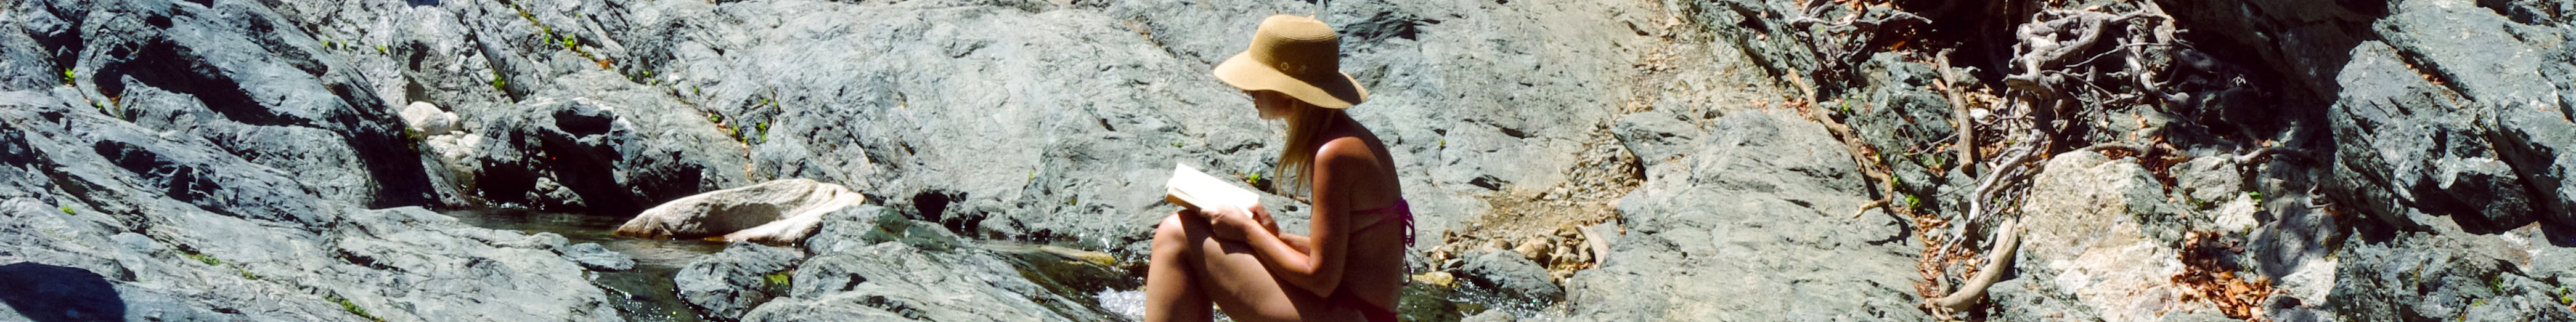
x=646, y=292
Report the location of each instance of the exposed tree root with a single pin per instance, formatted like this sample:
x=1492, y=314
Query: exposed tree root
x=2000, y=258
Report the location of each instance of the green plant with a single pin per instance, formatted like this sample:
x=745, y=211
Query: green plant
x=1176, y=143
x=67, y=210
x=202, y=258
x=499, y=84
x=1911, y=202
x=69, y=76
x=353, y=308
x=780, y=279
x=2257, y=195
x=246, y=273
x=380, y=49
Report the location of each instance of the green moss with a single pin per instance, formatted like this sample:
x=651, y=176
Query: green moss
x=246, y=273
x=353, y=308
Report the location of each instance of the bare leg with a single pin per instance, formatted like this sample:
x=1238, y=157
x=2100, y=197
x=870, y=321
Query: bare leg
x=1171, y=289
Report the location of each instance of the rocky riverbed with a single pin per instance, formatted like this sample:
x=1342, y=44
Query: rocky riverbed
x=1624, y=160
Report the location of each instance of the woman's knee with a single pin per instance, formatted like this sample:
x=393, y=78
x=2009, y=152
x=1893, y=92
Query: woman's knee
x=1171, y=231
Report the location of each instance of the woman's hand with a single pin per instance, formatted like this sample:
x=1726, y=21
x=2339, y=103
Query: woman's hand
x=1233, y=224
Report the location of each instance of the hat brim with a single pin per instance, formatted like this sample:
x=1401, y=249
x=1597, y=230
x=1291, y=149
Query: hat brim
x=1335, y=92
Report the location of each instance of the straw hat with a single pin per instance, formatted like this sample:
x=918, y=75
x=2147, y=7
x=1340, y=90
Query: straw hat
x=1298, y=56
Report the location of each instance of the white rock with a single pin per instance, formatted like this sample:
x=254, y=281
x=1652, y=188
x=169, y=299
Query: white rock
x=774, y=212
x=428, y=119
x=2080, y=222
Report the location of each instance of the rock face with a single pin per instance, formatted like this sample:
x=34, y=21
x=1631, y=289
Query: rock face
x=775, y=212
x=1735, y=229
x=183, y=230
x=250, y=160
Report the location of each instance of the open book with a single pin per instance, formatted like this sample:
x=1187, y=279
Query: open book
x=1195, y=190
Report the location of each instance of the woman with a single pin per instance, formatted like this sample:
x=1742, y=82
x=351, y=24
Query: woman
x=1351, y=263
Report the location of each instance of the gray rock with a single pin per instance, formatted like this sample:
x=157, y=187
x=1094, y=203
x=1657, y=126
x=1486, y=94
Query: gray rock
x=1510, y=273
x=595, y=257
x=598, y=155
x=184, y=230
x=230, y=75
x=915, y=274
x=1755, y=225
x=724, y=285
x=2444, y=274
x=2411, y=147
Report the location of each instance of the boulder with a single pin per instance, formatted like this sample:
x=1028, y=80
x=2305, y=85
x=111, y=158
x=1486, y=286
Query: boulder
x=893, y=269
x=605, y=147
x=1511, y=274
x=2103, y=226
x=598, y=258
x=427, y=119
x=724, y=285
x=775, y=212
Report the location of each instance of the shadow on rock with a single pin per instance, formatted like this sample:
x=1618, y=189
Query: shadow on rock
x=47, y=293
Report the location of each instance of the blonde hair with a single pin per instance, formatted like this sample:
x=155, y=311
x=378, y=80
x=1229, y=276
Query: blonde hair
x=1306, y=124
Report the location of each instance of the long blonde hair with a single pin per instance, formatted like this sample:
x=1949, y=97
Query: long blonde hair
x=1306, y=124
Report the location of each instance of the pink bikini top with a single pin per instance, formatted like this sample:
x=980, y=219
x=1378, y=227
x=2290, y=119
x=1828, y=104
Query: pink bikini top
x=1400, y=212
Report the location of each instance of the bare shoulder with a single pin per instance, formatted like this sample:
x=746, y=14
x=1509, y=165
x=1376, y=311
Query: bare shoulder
x=1348, y=151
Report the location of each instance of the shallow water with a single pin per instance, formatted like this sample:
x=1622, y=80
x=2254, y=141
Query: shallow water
x=646, y=292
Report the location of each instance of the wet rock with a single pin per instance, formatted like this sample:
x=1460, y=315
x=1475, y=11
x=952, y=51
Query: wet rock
x=1753, y=224
x=595, y=257
x=724, y=285
x=775, y=212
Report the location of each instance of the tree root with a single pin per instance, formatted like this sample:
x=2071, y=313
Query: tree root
x=1998, y=259
x=1864, y=208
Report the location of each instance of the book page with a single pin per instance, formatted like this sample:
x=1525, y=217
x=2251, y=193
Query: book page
x=1192, y=189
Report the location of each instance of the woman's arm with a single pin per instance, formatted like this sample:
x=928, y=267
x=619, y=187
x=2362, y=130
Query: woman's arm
x=1317, y=267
